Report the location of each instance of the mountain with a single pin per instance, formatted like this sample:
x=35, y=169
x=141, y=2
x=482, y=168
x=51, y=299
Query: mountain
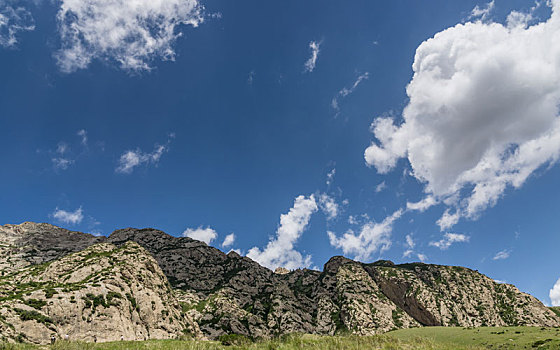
x=180, y=285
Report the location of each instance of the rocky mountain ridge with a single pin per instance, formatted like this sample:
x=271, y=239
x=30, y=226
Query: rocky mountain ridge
x=207, y=293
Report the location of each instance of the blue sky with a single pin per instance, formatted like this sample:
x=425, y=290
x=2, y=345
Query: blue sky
x=290, y=125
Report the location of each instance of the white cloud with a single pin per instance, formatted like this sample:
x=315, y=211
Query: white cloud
x=312, y=61
x=132, y=33
x=62, y=148
x=448, y=220
x=450, y=238
x=328, y=206
x=280, y=251
x=410, y=241
x=555, y=294
x=61, y=163
x=229, y=240
x=330, y=176
x=131, y=159
x=380, y=187
x=206, y=235
x=482, y=113
x=482, y=12
x=14, y=19
x=83, y=135
x=372, y=237
x=422, y=205
x=69, y=217
x=502, y=255
x=409, y=246
x=347, y=91
x=251, y=77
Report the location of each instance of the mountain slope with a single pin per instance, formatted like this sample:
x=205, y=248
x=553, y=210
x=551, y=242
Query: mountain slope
x=347, y=295
x=103, y=291
x=211, y=293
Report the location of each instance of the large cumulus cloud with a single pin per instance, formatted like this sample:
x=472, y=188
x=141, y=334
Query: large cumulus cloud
x=482, y=113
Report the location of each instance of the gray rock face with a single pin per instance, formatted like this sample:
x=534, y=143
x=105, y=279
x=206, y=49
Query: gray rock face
x=36, y=243
x=102, y=292
x=227, y=293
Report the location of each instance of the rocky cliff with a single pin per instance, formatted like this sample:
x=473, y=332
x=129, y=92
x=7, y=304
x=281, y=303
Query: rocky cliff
x=104, y=291
x=181, y=285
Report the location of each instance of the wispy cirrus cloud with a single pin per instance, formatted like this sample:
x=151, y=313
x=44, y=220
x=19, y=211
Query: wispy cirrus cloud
x=15, y=18
x=482, y=12
x=310, y=64
x=347, y=91
x=131, y=33
x=502, y=255
x=449, y=239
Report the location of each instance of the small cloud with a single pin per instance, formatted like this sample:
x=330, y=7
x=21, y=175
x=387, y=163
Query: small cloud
x=251, y=77
x=449, y=239
x=422, y=205
x=410, y=241
x=68, y=217
x=448, y=220
x=61, y=163
x=500, y=281
x=347, y=91
x=83, y=134
x=134, y=158
x=229, y=240
x=62, y=148
x=312, y=61
x=206, y=235
x=373, y=237
x=422, y=257
x=408, y=253
x=330, y=176
x=380, y=187
x=502, y=255
x=328, y=206
x=482, y=12
x=555, y=294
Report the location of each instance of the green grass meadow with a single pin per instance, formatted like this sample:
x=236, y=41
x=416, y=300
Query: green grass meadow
x=429, y=338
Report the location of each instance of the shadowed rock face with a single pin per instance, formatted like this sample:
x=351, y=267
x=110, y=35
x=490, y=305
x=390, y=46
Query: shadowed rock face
x=227, y=293
x=36, y=243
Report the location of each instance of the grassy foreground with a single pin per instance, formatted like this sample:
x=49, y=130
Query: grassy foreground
x=487, y=337
x=432, y=338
